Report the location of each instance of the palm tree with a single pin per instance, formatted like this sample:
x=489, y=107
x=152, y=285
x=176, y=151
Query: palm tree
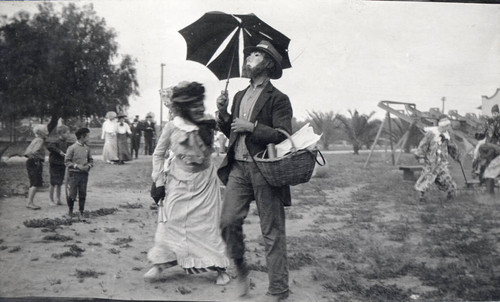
x=359, y=129
x=399, y=128
x=324, y=123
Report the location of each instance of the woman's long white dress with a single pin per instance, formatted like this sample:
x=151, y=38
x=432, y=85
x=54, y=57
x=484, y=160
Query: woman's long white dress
x=188, y=219
x=110, y=149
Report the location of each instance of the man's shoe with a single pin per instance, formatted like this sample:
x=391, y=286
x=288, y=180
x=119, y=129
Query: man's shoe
x=243, y=285
x=275, y=298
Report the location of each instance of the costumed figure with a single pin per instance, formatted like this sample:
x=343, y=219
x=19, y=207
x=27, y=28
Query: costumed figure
x=188, y=232
x=433, y=150
x=109, y=128
x=251, y=125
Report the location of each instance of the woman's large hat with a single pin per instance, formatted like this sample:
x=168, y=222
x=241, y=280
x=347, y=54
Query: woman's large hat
x=268, y=48
x=186, y=92
x=110, y=114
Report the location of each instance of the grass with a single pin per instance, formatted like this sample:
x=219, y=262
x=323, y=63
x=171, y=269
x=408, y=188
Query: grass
x=450, y=247
x=89, y=273
x=367, y=235
x=74, y=251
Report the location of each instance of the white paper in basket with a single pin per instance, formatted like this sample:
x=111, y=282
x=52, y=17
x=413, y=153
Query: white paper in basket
x=303, y=139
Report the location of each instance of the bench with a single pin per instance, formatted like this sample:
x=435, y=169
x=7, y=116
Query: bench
x=409, y=172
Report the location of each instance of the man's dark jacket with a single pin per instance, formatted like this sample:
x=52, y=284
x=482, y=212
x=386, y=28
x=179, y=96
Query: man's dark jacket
x=272, y=110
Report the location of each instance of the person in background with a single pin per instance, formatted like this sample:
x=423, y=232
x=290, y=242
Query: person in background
x=149, y=129
x=79, y=162
x=255, y=115
x=136, y=130
x=36, y=156
x=57, y=153
x=489, y=158
x=493, y=126
x=184, y=174
x=122, y=133
x=433, y=151
x=110, y=149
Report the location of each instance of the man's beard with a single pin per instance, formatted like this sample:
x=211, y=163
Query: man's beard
x=251, y=72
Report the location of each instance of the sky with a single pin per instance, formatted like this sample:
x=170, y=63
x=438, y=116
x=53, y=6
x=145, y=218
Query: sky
x=345, y=54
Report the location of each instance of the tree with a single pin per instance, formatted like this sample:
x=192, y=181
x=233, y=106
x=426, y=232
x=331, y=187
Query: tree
x=359, y=129
x=399, y=128
x=326, y=124
x=61, y=64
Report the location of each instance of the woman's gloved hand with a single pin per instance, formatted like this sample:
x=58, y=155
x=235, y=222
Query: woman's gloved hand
x=157, y=193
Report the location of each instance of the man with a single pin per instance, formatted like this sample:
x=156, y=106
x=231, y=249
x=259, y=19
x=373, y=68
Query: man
x=493, y=126
x=136, y=130
x=489, y=158
x=149, y=134
x=255, y=115
x=433, y=151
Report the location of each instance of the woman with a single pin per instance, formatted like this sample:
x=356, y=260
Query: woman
x=188, y=219
x=110, y=149
x=122, y=133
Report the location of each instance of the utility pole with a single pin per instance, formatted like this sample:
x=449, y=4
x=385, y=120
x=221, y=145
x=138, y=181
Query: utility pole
x=161, y=104
x=443, y=99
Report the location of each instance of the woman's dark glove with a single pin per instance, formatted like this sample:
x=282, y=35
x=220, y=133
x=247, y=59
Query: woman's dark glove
x=157, y=193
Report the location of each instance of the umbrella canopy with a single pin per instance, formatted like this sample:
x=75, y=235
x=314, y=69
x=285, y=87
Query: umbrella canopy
x=217, y=39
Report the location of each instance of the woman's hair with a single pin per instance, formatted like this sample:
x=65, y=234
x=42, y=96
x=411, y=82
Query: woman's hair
x=62, y=129
x=186, y=92
x=40, y=130
x=184, y=95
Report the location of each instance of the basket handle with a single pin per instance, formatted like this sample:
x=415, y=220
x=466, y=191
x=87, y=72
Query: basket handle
x=294, y=149
x=322, y=158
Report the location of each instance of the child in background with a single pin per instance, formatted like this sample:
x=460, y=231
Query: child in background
x=57, y=151
x=79, y=161
x=36, y=156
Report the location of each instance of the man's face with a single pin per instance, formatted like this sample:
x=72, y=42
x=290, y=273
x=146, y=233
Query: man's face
x=255, y=63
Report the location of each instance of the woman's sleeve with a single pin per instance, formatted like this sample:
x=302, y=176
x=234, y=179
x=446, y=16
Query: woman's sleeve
x=160, y=154
x=103, y=129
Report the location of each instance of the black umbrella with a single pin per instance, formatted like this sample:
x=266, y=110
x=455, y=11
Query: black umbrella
x=214, y=41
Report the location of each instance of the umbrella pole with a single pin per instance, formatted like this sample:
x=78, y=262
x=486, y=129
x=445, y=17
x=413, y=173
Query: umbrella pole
x=229, y=72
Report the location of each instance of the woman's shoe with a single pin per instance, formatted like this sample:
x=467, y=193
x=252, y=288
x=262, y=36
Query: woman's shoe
x=153, y=273
x=223, y=278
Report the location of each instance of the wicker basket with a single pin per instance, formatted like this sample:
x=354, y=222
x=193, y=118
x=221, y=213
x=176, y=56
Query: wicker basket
x=292, y=169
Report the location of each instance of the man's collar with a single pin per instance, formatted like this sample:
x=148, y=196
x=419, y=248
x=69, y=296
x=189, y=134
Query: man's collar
x=263, y=82
x=78, y=142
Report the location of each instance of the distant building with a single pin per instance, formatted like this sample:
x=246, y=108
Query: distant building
x=488, y=102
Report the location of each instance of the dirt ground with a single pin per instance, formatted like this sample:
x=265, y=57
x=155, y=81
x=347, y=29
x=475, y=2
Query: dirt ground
x=353, y=235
